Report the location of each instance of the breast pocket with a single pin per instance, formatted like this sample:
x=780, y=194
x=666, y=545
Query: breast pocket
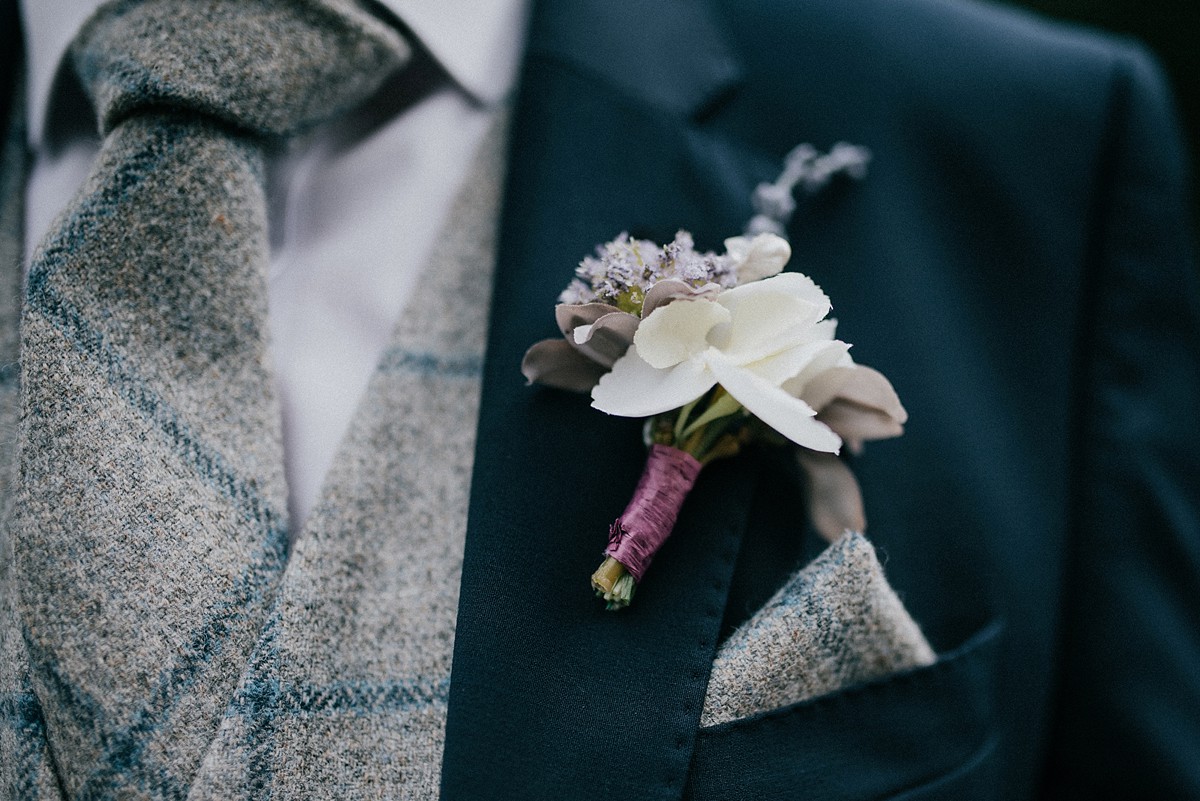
x=928, y=733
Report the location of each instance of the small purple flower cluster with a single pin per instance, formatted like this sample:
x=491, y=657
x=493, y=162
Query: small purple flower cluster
x=623, y=270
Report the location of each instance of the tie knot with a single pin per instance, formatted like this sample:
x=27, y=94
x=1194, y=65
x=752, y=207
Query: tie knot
x=270, y=66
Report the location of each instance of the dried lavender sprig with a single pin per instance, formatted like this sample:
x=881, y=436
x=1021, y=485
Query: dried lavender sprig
x=806, y=167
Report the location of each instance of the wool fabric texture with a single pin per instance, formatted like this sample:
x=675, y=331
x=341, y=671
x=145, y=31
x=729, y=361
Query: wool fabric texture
x=150, y=519
x=25, y=767
x=347, y=684
x=157, y=638
x=835, y=623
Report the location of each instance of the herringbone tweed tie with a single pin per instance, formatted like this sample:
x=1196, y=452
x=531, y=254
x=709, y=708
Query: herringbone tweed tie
x=151, y=484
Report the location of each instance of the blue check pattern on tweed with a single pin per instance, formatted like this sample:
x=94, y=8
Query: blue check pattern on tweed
x=148, y=529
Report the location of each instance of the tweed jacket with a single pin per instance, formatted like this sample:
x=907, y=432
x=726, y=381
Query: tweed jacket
x=1018, y=263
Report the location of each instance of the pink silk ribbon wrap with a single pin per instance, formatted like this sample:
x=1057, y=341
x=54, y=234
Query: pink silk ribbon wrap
x=648, y=519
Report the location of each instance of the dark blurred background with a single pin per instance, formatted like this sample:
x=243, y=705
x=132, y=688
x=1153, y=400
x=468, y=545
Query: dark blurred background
x=1171, y=28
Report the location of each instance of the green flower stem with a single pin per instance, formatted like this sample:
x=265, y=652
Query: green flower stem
x=720, y=404
x=614, y=584
x=712, y=435
x=681, y=417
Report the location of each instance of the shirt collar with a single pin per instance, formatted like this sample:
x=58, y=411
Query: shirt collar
x=49, y=25
x=478, y=44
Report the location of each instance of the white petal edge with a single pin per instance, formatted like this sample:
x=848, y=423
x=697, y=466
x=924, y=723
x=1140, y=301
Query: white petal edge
x=791, y=417
x=677, y=331
x=772, y=315
x=634, y=388
x=758, y=257
x=796, y=284
x=796, y=362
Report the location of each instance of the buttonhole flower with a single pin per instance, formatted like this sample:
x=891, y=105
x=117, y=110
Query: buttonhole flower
x=714, y=351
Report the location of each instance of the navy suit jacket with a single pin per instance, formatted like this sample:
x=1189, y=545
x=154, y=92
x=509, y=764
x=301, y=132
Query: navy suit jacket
x=1017, y=262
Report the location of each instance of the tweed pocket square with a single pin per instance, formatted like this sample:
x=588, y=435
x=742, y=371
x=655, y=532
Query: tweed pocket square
x=835, y=623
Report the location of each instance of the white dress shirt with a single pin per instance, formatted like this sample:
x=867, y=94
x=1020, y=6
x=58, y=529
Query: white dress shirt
x=351, y=226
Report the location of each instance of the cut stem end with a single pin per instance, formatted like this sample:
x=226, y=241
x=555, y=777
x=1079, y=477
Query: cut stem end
x=614, y=584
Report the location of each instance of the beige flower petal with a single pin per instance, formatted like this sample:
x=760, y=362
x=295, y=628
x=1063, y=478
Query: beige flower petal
x=870, y=388
x=671, y=289
x=851, y=382
x=835, y=503
x=856, y=423
x=805, y=378
x=556, y=363
x=570, y=316
x=607, y=339
x=819, y=389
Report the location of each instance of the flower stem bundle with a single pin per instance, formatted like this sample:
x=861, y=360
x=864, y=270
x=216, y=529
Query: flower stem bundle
x=713, y=350
x=681, y=444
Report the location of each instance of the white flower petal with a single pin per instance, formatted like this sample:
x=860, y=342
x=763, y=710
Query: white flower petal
x=794, y=364
x=796, y=285
x=677, y=331
x=826, y=329
x=791, y=417
x=771, y=315
x=758, y=257
x=636, y=389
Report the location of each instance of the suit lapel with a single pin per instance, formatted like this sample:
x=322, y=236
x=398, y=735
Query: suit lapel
x=553, y=697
